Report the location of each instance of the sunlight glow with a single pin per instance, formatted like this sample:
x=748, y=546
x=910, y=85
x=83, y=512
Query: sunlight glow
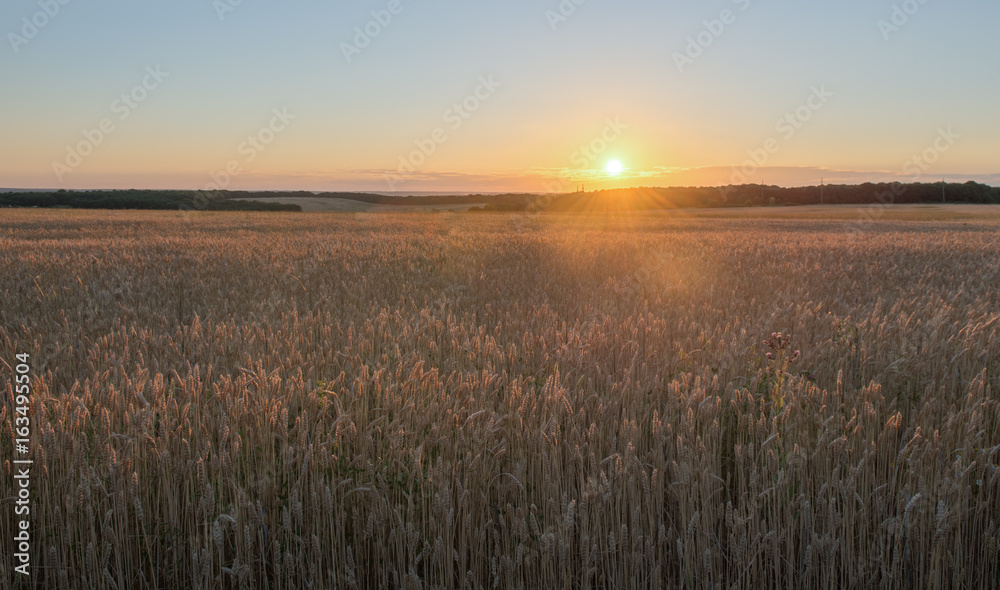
x=614, y=167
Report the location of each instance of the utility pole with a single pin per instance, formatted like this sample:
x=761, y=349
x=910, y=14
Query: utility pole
x=822, y=184
x=942, y=190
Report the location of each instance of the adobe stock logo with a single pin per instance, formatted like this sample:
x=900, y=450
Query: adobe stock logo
x=583, y=158
x=224, y=7
x=38, y=21
x=711, y=32
x=121, y=106
x=364, y=35
x=588, y=153
x=249, y=149
x=787, y=127
x=563, y=12
x=900, y=17
x=915, y=168
x=455, y=116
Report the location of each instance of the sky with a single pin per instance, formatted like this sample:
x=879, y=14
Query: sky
x=491, y=96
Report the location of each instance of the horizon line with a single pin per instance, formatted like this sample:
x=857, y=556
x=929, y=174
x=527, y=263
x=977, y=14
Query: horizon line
x=430, y=193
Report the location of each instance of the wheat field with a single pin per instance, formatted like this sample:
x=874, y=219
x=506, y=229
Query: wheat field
x=356, y=401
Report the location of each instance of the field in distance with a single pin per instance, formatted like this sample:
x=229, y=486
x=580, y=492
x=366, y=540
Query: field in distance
x=292, y=400
x=332, y=204
x=911, y=212
x=861, y=213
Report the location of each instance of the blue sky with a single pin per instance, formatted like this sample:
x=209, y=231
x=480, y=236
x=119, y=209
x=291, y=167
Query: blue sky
x=891, y=92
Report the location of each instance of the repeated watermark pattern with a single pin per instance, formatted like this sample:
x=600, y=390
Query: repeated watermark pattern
x=455, y=118
x=900, y=17
x=249, y=149
x=122, y=107
x=365, y=34
x=914, y=170
x=563, y=12
x=32, y=25
x=224, y=8
x=590, y=152
x=786, y=128
x=711, y=32
x=582, y=160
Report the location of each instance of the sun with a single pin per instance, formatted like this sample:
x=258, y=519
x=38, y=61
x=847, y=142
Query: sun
x=614, y=167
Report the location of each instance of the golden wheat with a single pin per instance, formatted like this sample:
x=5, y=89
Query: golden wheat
x=461, y=401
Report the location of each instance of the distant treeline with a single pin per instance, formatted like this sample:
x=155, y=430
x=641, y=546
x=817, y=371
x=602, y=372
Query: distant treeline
x=631, y=199
x=140, y=199
x=755, y=195
x=645, y=199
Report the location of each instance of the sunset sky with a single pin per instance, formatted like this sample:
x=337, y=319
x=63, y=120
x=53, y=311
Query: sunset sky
x=296, y=95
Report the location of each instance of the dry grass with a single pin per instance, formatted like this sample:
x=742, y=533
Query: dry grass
x=450, y=401
x=333, y=204
x=861, y=214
